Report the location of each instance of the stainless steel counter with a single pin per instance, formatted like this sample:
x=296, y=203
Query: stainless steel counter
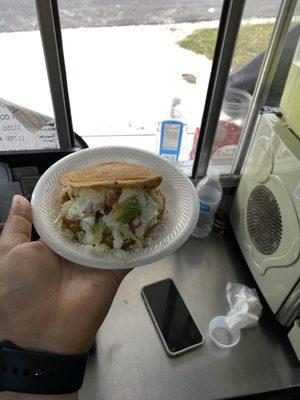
x=131, y=364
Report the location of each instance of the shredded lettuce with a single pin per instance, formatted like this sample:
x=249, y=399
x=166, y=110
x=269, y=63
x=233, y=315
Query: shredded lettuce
x=85, y=204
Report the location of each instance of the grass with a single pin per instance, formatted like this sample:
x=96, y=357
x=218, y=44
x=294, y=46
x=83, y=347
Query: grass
x=252, y=39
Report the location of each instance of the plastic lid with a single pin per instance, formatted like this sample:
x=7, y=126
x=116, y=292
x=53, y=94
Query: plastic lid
x=221, y=334
x=213, y=173
x=297, y=52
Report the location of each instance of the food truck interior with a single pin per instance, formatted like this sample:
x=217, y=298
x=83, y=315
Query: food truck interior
x=249, y=132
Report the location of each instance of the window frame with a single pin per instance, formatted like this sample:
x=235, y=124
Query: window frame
x=230, y=21
x=50, y=30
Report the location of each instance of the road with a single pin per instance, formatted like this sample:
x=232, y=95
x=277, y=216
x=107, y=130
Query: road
x=20, y=15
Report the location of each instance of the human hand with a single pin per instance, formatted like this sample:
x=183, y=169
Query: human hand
x=48, y=303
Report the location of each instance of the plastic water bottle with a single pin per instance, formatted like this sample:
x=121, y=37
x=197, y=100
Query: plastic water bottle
x=210, y=192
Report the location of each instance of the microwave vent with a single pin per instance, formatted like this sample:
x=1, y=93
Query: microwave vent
x=264, y=221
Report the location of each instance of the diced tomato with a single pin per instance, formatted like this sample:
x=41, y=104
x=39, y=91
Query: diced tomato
x=134, y=223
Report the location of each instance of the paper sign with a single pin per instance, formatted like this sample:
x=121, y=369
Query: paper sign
x=23, y=129
x=170, y=141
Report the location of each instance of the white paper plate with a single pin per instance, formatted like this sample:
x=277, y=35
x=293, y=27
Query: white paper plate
x=178, y=222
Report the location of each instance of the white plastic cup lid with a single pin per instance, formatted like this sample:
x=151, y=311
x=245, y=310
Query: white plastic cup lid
x=213, y=172
x=221, y=334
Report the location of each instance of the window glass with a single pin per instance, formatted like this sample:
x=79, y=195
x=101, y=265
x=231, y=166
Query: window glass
x=285, y=88
x=133, y=78
x=253, y=38
x=26, y=113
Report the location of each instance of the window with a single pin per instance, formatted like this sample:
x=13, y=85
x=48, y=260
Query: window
x=277, y=88
x=137, y=75
x=129, y=71
x=252, y=40
x=26, y=113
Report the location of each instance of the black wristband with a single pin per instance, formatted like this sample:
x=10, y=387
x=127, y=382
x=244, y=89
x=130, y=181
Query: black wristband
x=39, y=373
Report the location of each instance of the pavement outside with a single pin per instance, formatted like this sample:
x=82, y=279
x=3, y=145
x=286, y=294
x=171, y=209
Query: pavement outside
x=20, y=15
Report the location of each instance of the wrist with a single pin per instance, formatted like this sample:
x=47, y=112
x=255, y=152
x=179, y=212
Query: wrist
x=47, y=344
x=39, y=374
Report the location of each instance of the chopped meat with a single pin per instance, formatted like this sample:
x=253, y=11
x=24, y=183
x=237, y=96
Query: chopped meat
x=64, y=198
x=111, y=198
x=127, y=243
x=97, y=216
x=108, y=240
x=72, y=225
x=88, y=212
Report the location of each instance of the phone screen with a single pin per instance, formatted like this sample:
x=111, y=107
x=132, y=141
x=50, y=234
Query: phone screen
x=171, y=316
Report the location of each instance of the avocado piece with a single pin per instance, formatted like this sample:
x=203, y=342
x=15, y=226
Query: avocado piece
x=128, y=209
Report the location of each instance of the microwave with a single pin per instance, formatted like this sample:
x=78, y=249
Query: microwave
x=265, y=217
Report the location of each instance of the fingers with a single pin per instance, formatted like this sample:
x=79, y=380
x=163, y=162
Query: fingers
x=18, y=226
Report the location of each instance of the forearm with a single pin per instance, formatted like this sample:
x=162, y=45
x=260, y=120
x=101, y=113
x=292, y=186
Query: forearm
x=21, y=396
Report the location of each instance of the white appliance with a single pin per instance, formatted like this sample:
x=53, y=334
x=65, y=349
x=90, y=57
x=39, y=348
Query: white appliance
x=266, y=219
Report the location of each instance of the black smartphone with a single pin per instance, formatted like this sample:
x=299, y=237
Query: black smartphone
x=171, y=317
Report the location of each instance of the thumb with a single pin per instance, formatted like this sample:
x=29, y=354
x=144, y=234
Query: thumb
x=18, y=226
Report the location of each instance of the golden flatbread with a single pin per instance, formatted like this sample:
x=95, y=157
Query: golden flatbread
x=112, y=174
